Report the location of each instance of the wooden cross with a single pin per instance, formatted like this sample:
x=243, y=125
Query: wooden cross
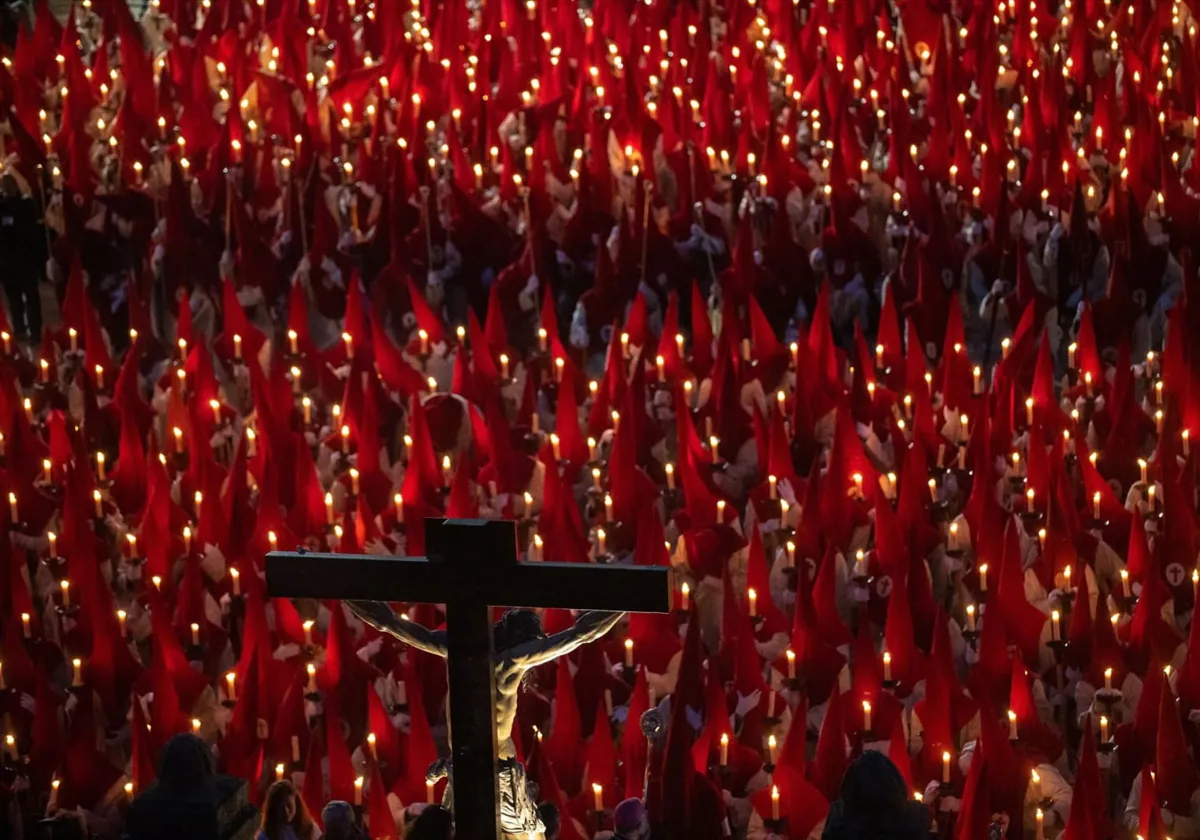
x=471, y=566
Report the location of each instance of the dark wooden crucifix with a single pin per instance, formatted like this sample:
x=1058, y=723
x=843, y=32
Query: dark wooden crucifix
x=471, y=566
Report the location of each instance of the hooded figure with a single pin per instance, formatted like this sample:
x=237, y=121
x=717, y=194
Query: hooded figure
x=183, y=802
x=875, y=804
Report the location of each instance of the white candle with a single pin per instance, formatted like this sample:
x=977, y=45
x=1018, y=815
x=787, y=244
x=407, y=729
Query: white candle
x=1029, y=494
x=629, y=653
x=231, y=685
x=1054, y=628
x=429, y=786
x=195, y=634
x=946, y=767
x=685, y=593
x=775, y=803
x=753, y=603
x=1103, y=729
x=724, y=749
x=25, y=628
x=983, y=570
x=670, y=470
x=121, y=618
x=1096, y=505
x=887, y=667
x=771, y=744
x=1125, y=583
x=308, y=628
x=866, y=704
x=791, y=664
x=597, y=797
x=1041, y=829
x=358, y=790
x=1012, y=725
x=66, y=593
x=1108, y=672
x=77, y=666
x=970, y=618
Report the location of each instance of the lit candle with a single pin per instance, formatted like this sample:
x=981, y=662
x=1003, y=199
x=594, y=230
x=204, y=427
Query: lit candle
x=77, y=678
x=231, y=685
x=753, y=603
x=423, y=337
x=293, y=342
x=398, y=502
x=237, y=346
x=1012, y=725
x=866, y=715
x=600, y=536
x=308, y=628
x=791, y=664
x=1142, y=466
x=1029, y=411
x=933, y=490
x=504, y=365
x=279, y=771
x=429, y=786
x=348, y=341
x=1041, y=825
x=1054, y=628
x=195, y=634
x=660, y=363
x=121, y=617
x=354, y=481
x=773, y=490
x=946, y=767
x=1125, y=583
x=1071, y=348
x=556, y=446
x=26, y=630
x=328, y=508
x=65, y=586
x=977, y=375
x=178, y=434
x=724, y=748
x=771, y=746
x=983, y=570
x=312, y=678
x=1108, y=672
x=598, y=797
x=1029, y=494
x=887, y=667
x=775, y=803
x=970, y=618
x=1087, y=382
x=1103, y=729
x=358, y=790
x=953, y=536
x=446, y=468
x=52, y=538
x=629, y=653
x=685, y=592
x=608, y=508
x=74, y=338
x=272, y=540
x=1096, y=505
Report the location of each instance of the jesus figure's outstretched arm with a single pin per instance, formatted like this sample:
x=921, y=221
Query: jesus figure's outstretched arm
x=380, y=616
x=589, y=627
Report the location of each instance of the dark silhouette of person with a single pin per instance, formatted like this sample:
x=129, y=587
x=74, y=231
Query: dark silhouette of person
x=875, y=804
x=182, y=803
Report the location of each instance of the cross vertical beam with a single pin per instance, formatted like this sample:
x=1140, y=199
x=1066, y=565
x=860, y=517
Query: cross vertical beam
x=466, y=549
x=472, y=719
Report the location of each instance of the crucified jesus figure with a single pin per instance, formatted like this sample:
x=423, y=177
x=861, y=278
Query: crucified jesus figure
x=520, y=644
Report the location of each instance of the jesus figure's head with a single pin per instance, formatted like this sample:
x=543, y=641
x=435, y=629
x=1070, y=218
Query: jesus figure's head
x=517, y=627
